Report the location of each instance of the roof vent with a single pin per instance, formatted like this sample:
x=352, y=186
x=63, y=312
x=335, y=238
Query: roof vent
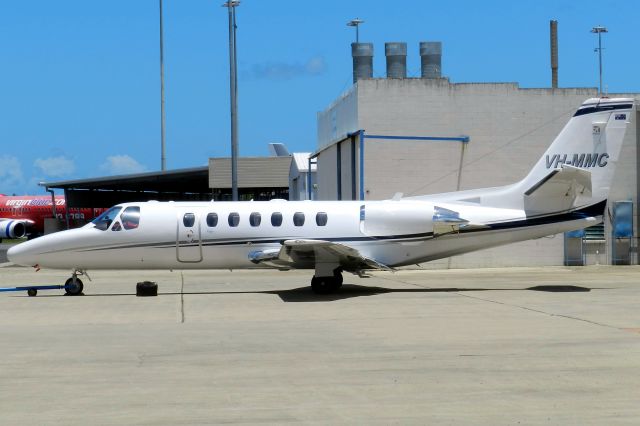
x=396, y=54
x=431, y=59
x=362, y=54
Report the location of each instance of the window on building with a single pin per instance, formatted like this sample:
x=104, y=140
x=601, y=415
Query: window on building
x=212, y=220
x=276, y=219
x=298, y=218
x=234, y=219
x=188, y=220
x=255, y=219
x=130, y=217
x=321, y=218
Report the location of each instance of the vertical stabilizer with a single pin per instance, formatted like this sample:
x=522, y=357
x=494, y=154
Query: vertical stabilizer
x=590, y=142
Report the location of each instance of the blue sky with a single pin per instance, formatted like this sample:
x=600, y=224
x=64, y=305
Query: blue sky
x=79, y=84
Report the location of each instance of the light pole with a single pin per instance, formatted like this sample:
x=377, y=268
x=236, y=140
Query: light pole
x=163, y=158
x=599, y=30
x=355, y=23
x=233, y=88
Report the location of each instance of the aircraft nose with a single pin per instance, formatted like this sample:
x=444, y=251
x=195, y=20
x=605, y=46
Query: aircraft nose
x=21, y=255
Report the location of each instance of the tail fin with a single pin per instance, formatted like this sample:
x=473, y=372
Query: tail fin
x=578, y=167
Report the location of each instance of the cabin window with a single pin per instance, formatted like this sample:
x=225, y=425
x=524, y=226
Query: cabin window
x=298, y=218
x=234, y=219
x=321, y=218
x=130, y=217
x=188, y=220
x=212, y=220
x=276, y=219
x=255, y=219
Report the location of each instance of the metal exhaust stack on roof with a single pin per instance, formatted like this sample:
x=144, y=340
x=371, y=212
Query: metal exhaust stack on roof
x=362, y=54
x=553, y=27
x=396, y=59
x=431, y=59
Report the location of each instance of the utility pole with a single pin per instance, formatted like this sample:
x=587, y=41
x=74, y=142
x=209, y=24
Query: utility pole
x=233, y=88
x=553, y=35
x=163, y=157
x=599, y=30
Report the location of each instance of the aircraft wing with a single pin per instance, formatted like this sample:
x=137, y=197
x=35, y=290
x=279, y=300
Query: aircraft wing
x=305, y=253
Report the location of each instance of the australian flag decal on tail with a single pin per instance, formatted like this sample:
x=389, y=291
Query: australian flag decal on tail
x=621, y=116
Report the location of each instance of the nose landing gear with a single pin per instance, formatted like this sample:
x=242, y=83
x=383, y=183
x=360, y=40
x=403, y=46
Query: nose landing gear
x=74, y=286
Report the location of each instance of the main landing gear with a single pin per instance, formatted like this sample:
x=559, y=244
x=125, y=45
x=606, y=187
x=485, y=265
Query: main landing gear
x=327, y=284
x=73, y=286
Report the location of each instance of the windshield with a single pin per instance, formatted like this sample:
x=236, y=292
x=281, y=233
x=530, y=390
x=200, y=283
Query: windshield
x=107, y=217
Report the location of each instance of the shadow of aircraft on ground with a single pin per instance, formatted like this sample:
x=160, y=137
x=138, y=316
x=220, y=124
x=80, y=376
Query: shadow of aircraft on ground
x=348, y=291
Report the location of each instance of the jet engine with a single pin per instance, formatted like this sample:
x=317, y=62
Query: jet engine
x=12, y=229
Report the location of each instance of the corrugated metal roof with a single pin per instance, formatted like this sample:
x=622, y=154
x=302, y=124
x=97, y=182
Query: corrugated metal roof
x=147, y=181
x=177, y=185
x=253, y=172
x=301, y=160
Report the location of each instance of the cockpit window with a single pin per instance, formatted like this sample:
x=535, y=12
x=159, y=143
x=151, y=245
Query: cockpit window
x=116, y=226
x=130, y=217
x=103, y=221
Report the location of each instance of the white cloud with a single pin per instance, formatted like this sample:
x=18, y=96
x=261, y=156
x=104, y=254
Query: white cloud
x=55, y=166
x=121, y=165
x=315, y=66
x=10, y=173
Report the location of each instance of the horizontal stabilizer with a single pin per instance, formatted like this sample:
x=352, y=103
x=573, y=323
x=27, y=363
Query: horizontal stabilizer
x=558, y=190
x=559, y=181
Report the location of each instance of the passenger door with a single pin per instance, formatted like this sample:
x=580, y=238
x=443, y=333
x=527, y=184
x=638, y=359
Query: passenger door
x=188, y=239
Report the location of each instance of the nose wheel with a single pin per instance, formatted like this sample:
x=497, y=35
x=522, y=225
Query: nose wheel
x=73, y=286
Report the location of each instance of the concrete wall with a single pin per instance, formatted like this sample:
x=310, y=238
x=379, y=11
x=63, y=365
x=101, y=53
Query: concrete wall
x=510, y=128
x=339, y=119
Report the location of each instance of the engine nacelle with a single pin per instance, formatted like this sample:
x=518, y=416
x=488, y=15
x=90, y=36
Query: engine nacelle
x=12, y=229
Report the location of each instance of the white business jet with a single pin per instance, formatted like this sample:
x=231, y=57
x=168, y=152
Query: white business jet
x=566, y=190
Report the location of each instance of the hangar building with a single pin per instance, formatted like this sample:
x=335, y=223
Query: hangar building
x=427, y=135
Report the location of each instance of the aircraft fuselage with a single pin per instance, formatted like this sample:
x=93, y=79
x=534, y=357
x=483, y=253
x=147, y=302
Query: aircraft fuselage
x=185, y=235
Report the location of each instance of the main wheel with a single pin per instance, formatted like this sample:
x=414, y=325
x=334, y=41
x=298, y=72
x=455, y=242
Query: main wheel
x=337, y=279
x=73, y=288
x=32, y=292
x=324, y=285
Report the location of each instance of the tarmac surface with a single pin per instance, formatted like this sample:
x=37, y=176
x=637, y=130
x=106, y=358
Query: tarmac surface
x=3, y=252
x=490, y=346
